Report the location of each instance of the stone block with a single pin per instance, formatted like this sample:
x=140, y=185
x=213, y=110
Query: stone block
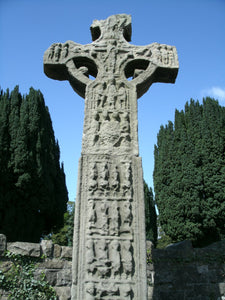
x=64, y=293
x=28, y=249
x=50, y=275
x=3, y=244
x=5, y=266
x=222, y=288
x=64, y=277
x=66, y=252
x=3, y=295
x=47, y=248
x=52, y=264
x=57, y=251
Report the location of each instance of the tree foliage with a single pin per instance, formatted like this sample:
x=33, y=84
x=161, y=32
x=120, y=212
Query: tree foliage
x=33, y=192
x=189, y=173
x=150, y=215
x=64, y=236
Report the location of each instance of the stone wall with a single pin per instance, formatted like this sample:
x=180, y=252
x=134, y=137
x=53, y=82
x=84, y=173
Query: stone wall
x=182, y=272
x=56, y=264
x=179, y=272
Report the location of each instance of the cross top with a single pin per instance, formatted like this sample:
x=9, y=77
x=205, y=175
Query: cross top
x=111, y=57
x=115, y=28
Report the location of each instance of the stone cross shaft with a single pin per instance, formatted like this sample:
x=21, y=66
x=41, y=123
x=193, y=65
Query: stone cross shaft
x=109, y=254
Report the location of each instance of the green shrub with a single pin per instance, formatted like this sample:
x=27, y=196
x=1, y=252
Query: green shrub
x=20, y=282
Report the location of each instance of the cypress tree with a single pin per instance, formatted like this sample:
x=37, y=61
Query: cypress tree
x=33, y=190
x=150, y=215
x=189, y=173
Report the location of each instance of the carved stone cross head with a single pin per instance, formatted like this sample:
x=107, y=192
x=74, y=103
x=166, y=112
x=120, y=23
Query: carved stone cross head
x=110, y=57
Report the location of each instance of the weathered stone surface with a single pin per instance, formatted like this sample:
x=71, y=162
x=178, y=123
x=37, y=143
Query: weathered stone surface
x=3, y=244
x=109, y=253
x=63, y=292
x=183, y=272
x=50, y=275
x=54, y=264
x=3, y=295
x=29, y=249
x=66, y=252
x=57, y=250
x=64, y=277
x=47, y=248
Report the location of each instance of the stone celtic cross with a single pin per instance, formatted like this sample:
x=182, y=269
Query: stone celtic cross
x=109, y=254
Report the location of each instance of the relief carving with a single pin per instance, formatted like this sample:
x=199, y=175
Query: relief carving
x=98, y=291
x=91, y=215
x=103, y=220
x=127, y=259
x=115, y=219
x=93, y=184
x=94, y=129
x=115, y=258
x=127, y=178
x=115, y=179
x=65, y=50
x=103, y=181
x=112, y=94
x=109, y=129
x=127, y=217
x=90, y=256
x=122, y=97
x=102, y=262
x=90, y=291
x=110, y=179
x=126, y=292
x=109, y=259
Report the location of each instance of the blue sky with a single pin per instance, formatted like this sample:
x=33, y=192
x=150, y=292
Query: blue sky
x=196, y=28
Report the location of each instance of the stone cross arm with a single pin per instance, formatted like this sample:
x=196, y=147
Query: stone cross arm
x=111, y=55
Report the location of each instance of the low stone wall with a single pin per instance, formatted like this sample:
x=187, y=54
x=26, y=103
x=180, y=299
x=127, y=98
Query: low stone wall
x=182, y=272
x=56, y=263
x=179, y=272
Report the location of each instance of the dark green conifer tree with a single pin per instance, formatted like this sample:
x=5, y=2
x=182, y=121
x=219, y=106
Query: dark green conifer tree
x=189, y=173
x=33, y=194
x=150, y=215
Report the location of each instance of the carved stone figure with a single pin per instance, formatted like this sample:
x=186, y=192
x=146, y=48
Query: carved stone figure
x=127, y=258
x=111, y=94
x=90, y=291
x=104, y=218
x=122, y=97
x=127, y=217
x=103, y=262
x=93, y=184
x=93, y=130
x=51, y=52
x=65, y=50
x=126, y=292
x=92, y=216
x=125, y=130
x=127, y=178
x=100, y=96
x=90, y=256
x=115, y=179
x=103, y=177
x=58, y=49
x=115, y=258
x=114, y=219
x=108, y=230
